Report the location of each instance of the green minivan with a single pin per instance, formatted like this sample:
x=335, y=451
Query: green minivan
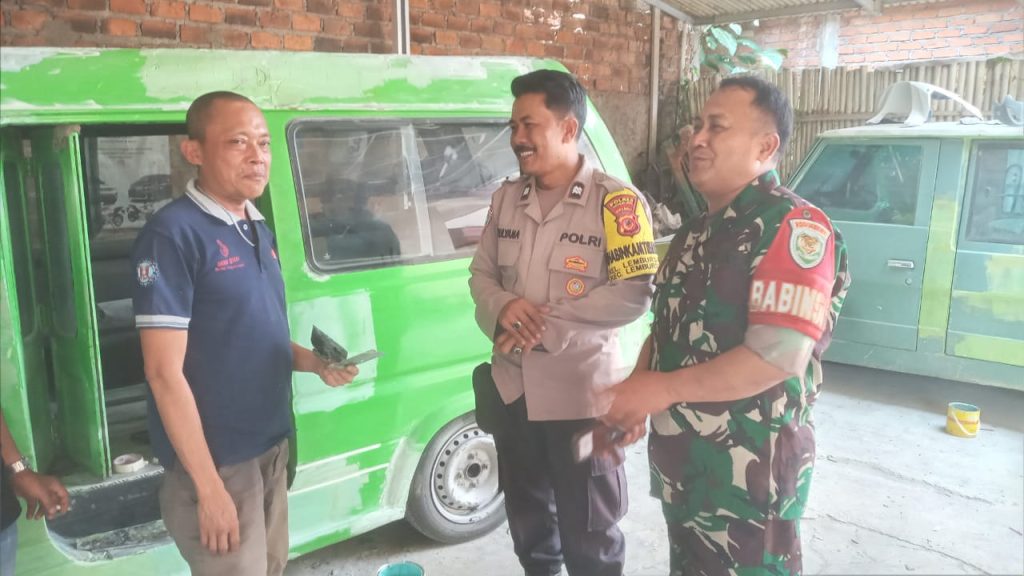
x=413, y=145
x=933, y=216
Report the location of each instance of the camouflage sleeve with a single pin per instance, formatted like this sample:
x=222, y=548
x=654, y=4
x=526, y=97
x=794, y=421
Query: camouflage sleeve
x=485, y=278
x=792, y=284
x=786, y=349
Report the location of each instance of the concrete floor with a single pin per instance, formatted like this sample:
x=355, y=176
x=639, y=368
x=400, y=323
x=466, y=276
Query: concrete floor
x=892, y=493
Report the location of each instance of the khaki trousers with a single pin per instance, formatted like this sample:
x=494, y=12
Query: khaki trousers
x=259, y=489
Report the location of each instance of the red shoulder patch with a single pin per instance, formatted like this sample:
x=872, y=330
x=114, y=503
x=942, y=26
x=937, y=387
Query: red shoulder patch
x=792, y=285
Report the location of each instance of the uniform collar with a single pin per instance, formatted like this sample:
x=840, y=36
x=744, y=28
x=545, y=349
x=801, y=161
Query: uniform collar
x=211, y=207
x=760, y=188
x=575, y=193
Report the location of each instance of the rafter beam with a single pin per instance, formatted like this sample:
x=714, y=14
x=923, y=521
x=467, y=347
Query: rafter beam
x=799, y=10
x=870, y=6
x=670, y=8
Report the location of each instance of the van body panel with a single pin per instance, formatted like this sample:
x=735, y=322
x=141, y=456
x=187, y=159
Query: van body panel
x=986, y=317
x=73, y=341
x=889, y=262
x=62, y=81
x=971, y=292
x=945, y=224
x=28, y=319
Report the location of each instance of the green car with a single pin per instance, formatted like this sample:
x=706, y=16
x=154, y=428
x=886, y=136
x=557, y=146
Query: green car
x=383, y=173
x=933, y=216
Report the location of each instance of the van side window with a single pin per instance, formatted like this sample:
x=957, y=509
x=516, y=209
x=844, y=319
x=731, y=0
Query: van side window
x=997, y=193
x=865, y=182
x=380, y=193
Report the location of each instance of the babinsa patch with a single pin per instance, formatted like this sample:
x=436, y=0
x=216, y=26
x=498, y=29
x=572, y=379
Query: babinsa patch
x=791, y=288
x=807, y=241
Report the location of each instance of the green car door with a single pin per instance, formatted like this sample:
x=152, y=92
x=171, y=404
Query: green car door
x=879, y=194
x=986, y=316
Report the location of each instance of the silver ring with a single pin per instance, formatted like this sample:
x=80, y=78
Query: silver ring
x=517, y=325
x=517, y=350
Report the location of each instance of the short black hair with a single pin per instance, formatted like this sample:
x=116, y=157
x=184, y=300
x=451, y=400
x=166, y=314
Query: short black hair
x=199, y=111
x=563, y=94
x=768, y=99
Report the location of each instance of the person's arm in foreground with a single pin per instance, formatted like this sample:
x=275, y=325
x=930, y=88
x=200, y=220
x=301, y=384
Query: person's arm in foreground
x=43, y=494
x=163, y=351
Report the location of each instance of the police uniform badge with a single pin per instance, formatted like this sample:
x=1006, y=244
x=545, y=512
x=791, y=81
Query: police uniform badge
x=526, y=192
x=576, y=192
x=575, y=287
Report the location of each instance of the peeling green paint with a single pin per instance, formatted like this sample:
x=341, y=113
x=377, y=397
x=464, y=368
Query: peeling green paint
x=1004, y=298
x=938, y=273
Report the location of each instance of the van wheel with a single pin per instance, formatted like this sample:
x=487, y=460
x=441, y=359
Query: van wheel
x=455, y=495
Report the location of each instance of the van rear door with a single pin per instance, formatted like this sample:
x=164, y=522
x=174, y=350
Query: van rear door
x=74, y=346
x=986, y=315
x=879, y=193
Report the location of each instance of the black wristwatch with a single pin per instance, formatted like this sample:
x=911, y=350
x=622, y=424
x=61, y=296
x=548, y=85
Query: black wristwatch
x=19, y=465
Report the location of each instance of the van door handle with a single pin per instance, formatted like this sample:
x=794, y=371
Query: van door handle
x=904, y=264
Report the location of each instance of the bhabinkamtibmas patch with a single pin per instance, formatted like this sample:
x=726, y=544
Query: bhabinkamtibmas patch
x=792, y=285
x=630, y=246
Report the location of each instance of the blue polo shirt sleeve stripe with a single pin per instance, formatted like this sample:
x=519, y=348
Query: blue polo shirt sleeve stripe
x=162, y=296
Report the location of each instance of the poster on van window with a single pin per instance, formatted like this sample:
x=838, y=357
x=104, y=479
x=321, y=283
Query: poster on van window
x=134, y=175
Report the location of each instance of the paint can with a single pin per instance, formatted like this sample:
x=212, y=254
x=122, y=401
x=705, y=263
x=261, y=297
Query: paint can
x=963, y=419
x=401, y=569
x=129, y=463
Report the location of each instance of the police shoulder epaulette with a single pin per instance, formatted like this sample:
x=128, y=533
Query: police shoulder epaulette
x=608, y=184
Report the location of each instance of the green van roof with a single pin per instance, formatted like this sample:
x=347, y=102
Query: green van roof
x=36, y=83
x=928, y=130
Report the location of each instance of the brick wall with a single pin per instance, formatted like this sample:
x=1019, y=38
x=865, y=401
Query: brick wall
x=921, y=32
x=606, y=43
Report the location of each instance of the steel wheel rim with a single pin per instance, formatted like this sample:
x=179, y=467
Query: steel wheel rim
x=464, y=478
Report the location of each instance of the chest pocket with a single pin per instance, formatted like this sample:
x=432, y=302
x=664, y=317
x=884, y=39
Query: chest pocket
x=728, y=289
x=508, y=260
x=574, y=271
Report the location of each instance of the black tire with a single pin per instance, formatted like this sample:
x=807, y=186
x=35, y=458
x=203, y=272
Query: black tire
x=454, y=495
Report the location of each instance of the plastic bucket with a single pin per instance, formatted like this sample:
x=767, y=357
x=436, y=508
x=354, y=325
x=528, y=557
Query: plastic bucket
x=401, y=569
x=963, y=419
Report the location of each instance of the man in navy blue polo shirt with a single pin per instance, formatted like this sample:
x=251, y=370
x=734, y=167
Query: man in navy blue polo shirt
x=210, y=308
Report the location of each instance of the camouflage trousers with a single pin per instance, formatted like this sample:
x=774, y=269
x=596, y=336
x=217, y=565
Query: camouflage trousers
x=710, y=545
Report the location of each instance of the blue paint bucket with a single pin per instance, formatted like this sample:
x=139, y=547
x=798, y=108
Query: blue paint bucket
x=401, y=569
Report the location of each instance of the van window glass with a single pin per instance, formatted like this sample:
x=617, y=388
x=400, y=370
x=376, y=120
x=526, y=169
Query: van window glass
x=362, y=206
x=127, y=178
x=18, y=219
x=997, y=194
x=129, y=173
x=65, y=322
x=865, y=182
x=375, y=194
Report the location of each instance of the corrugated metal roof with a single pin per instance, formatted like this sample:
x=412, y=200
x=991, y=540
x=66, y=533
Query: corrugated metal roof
x=724, y=11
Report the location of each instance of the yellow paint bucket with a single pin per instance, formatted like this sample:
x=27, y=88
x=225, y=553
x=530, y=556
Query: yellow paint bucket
x=963, y=420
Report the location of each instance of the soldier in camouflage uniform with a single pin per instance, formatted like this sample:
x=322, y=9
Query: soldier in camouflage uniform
x=745, y=303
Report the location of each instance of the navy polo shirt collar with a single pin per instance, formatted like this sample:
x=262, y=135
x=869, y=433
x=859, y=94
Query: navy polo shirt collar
x=211, y=207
